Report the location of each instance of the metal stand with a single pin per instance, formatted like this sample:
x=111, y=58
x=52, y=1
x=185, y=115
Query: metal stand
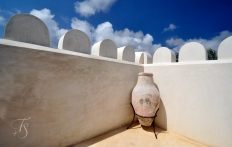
x=153, y=122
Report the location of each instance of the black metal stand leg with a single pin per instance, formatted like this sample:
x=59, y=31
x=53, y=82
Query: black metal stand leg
x=153, y=124
x=133, y=117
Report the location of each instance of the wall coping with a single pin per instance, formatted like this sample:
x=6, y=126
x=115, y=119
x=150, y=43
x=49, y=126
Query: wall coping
x=191, y=63
x=48, y=49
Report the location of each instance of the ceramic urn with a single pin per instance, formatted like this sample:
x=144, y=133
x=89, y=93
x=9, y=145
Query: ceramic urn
x=145, y=98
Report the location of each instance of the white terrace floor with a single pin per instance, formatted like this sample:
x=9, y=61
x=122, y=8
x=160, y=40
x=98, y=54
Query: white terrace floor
x=138, y=136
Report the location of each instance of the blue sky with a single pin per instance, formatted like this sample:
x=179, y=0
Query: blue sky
x=144, y=25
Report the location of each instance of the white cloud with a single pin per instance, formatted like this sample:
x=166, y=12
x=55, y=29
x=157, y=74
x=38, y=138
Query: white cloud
x=170, y=28
x=10, y=12
x=90, y=7
x=55, y=32
x=65, y=19
x=137, y=40
x=126, y=37
x=17, y=11
x=177, y=43
x=83, y=26
x=2, y=21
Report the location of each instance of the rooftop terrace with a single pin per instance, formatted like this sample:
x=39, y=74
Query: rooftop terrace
x=73, y=95
x=138, y=136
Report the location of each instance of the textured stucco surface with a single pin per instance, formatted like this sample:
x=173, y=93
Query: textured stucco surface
x=225, y=49
x=27, y=28
x=75, y=40
x=126, y=53
x=164, y=55
x=105, y=48
x=192, y=51
x=139, y=57
x=147, y=58
x=69, y=97
x=196, y=100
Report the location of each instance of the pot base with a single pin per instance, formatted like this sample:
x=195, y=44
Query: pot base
x=145, y=121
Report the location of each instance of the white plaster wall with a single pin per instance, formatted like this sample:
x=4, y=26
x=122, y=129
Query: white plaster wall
x=139, y=57
x=75, y=40
x=196, y=100
x=126, y=53
x=69, y=96
x=192, y=51
x=147, y=58
x=27, y=28
x=225, y=49
x=105, y=48
x=164, y=55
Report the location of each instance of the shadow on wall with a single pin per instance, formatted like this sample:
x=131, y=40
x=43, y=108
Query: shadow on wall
x=161, y=119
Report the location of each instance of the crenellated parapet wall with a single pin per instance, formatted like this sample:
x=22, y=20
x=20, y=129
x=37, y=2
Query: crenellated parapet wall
x=29, y=29
x=76, y=92
x=193, y=52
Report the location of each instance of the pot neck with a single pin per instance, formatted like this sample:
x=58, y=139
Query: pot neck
x=145, y=80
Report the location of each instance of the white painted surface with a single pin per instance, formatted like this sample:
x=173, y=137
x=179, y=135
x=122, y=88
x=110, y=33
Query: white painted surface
x=164, y=55
x=196, y=100
x=143, y=58
x=192, y=51
x=69, y=97
x=147, y=58
x=225, y=49
x=139, y=57
x=126, y=53
x=67, y=94
x=75, y=40
x=27, y=28
x=48, y=49
x=105, y=48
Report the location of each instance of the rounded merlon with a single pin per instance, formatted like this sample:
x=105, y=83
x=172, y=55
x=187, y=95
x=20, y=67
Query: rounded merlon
x=164, y=55
x=126, y=53
x=192, y=51
x=75, y=40
x=139, y=57
x=27, y=28
x=147, y=58
x=225, y=49
x=105, y=48
x=143, y=58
